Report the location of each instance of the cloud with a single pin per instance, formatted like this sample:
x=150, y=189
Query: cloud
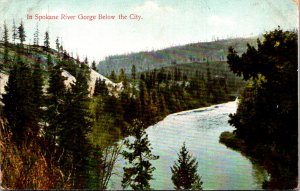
x=216, y=20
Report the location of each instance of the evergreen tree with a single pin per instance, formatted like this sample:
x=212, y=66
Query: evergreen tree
x=14, y=32
x=122, y=76
x=5, y=35
x=133, y=73
x=55, y=103
x=100, y=88
x=49, y=62
x=94, y=66
x=144, y=100
x=113, y=107
x=57, y=44
x=123, y=79
x=20, y=108
x=21, y=32
x=133, y=80
x=36, y=36
x=37, y=83
x=46, y=40
x=185, y=172
x=76, y=124
x=97, y=89
x=113, y=76
x=5, y=62
x=86, y=62
x=138, y=175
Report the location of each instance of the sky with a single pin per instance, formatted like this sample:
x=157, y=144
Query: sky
x=162, y=23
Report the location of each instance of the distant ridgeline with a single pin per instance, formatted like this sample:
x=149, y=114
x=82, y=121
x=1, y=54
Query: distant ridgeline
x=202, y=52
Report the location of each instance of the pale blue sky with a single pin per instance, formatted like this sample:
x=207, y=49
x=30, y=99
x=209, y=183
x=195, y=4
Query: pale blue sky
x=165, y=22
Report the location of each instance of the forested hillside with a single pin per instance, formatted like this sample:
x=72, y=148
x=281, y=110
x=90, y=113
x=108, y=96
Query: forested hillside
x=201, y=52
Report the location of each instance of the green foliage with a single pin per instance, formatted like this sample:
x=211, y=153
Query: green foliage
x=57, y=44
x=76, y=124
x=138, y=175
x=100, y=88
x=185, y=174
x=38, y=83
x=21, y=33
x=47, y=41
x=101, y=163
x=113, y=76
x=55, y=102
x=94, y=66
x=5, y=35
x=133, y=73
x=14, y=32
x=20, y=108
x=5, y=63
x=36, y=37
x=267, y=114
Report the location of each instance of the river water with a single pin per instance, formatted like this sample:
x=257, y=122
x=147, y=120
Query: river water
x=219, y=166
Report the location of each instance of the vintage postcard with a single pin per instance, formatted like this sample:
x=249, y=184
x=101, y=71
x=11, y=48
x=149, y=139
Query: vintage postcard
x=149, y=94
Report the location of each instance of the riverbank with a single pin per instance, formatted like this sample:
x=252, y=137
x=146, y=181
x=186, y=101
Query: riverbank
x=281, y=167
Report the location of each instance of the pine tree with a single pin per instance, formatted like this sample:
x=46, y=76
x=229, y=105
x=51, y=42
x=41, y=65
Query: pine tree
x=185, y=172
x=36, y=36
x=72, y=137
x=123, y=78
x=138, y=175
x=5, y=62
x=55, y=102
x=5, y=35
x=86, y=62
x=37, y=83
x=100, y=88
x=57, y=44
x=49, y=63
x=47, y=41
x=97, y=89
x=20, y=108
x=21, y=32
x=133, y=73
x=133, y=80
x=113, y=76
x=94, y=66
x=14, y=32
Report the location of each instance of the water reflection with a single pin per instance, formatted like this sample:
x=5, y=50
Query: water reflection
x=219, y=166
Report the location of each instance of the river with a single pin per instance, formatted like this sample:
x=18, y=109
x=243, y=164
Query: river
x=219, y=166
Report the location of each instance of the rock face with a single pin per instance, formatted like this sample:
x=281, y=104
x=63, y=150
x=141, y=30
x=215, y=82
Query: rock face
x=3, y=81
x=112, y=87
